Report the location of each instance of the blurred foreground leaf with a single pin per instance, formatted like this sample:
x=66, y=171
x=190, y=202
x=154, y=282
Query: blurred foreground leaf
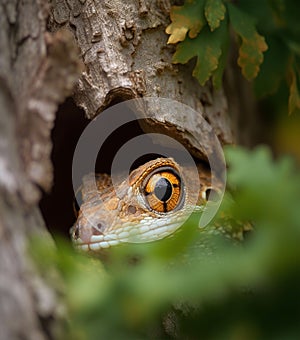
x=199, y=283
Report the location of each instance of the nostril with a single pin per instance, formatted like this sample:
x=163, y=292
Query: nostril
x=95, y=231
x=76, y=232
x=98, y=229
x=131, y=209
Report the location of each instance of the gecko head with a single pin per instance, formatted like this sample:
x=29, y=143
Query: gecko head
x=151, y=204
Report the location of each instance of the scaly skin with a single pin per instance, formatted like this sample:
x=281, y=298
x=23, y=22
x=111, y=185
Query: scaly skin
x=106, y=219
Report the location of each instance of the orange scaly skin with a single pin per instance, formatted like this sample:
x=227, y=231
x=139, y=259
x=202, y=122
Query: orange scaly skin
x=135, y=213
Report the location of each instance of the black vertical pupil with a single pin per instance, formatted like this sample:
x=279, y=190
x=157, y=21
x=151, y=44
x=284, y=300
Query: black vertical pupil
x=163, y=189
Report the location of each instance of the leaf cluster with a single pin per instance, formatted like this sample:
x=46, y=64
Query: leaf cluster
x=199, y=283
x=267, y=32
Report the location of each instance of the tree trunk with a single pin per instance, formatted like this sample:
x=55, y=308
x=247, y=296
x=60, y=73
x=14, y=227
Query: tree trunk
x=124, y=54
x=36, y=74
x=124, y=48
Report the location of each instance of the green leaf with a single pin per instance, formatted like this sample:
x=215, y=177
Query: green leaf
x=186, y=18
x=218, y=73
x=253, y=44
x=214, y=12
x=294, y=98
x=260, y=10
x=136, y=290
x=264, y=189
x=273, y=68
x=207, y=47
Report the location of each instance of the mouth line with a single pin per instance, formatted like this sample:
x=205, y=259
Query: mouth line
x=142, y=235
x=148, y=232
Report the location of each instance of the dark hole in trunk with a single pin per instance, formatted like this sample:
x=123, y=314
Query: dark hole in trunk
x=57, y=206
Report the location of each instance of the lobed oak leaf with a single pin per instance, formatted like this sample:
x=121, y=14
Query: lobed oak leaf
x=273, y=68
x=214, y=13
x=252, y=44
x=208, y=48
x=188, y=18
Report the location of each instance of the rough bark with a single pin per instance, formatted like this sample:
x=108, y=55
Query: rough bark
x=125, y=55
x=35, y=75
x=124, y=48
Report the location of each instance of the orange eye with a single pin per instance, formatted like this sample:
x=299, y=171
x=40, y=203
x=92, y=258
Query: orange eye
x=163, y=191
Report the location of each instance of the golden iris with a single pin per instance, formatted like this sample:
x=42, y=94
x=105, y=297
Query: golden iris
x=163, y=191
